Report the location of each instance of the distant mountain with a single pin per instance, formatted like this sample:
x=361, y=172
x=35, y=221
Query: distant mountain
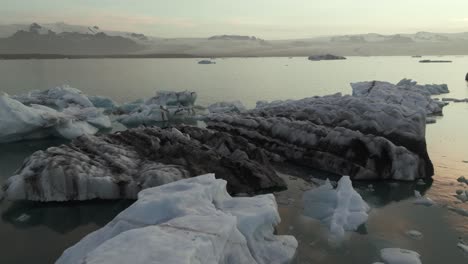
x=38, y=39
x=235, y=37
x=61, y=38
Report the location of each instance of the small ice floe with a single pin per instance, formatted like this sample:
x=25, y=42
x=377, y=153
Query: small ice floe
x=462, y=195
x=420, y=182
x=463, y=247
x=414, y=234
x=341, y=209
x=400, y=256
x=422, y=200
x=206, y=62
x=23, y=218
x=370, y=188
x=462, y=179
x=459, y=211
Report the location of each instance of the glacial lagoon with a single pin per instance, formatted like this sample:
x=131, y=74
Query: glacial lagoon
x=45, y=230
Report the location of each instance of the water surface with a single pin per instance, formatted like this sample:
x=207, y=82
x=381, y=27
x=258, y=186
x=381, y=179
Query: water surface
x=38, y=233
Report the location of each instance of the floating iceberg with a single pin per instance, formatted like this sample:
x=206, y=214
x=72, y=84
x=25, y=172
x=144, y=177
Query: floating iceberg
x=463, y=247
x=330, y=147
x=163, y=107
x=119, y=165
x=227, y=107
x=189, y=221
x=341, y=209
x=422, y=200
x=414, y=234
x=20, y=122
x=433, y=89
x=399, y=256
x=58, y=98
x=415, y=97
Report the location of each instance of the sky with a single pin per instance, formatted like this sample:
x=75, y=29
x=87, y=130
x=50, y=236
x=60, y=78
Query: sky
x=268, y=19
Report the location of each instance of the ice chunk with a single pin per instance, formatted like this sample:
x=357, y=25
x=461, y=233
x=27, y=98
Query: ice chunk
x=400, y=256
x=422, y=200
x=341, y=209
x=19, y=121
x=412, y=96
x=463, y=247
x=103, y=102
x=462, y=179
x=227, y=107
x=58, y=98
x=462, y=195
x=164, y=106
x=414, y=234
x=189, y=221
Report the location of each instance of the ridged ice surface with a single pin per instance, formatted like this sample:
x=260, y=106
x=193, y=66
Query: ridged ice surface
x=191, y=221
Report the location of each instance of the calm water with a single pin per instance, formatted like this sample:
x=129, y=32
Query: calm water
x=45, y=230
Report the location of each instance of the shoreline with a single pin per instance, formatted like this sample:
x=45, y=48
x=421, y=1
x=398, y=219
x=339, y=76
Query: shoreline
x=40, y=56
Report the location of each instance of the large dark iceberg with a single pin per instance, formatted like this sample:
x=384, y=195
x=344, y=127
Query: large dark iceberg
x=378, y=133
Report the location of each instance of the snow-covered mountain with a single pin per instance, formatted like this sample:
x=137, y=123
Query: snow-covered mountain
x=62, y=38
x=61, y=27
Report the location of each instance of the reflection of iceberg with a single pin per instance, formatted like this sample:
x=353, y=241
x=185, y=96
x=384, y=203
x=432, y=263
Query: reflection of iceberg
x=62, y=217
x=193, y=219
x=341, y=209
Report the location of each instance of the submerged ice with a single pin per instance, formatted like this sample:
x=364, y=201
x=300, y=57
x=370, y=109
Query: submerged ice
x=189, y=221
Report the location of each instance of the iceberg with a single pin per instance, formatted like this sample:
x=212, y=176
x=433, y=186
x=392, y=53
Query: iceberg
x=190, y=221
x=400, y=256
x=414, y=234
x=463, y=247
x=341, y=209
x=415, y=97
x=227, y=107
x=432, y=89
x=22, y=122
x=119, y=165
x=333, y=148
x=422, y=200
x=58, y=98
x=165, y=106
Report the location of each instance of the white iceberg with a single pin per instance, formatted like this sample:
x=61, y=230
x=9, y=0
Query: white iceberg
x=58, y=98
x=341, y=209
x=227, y=107
x=165, y=106
x=400, y=256
x=20, y=122
x=189, y=221
x=433, y=89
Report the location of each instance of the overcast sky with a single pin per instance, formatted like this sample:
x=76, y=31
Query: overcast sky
x=270, y=19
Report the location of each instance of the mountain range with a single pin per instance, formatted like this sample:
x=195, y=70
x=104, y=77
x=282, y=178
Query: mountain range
x=77, y=40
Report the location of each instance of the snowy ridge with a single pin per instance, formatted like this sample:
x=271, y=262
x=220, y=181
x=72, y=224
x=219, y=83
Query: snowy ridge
x=204, y=225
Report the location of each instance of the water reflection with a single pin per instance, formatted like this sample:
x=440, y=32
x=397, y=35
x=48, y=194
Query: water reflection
x=62, y=217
